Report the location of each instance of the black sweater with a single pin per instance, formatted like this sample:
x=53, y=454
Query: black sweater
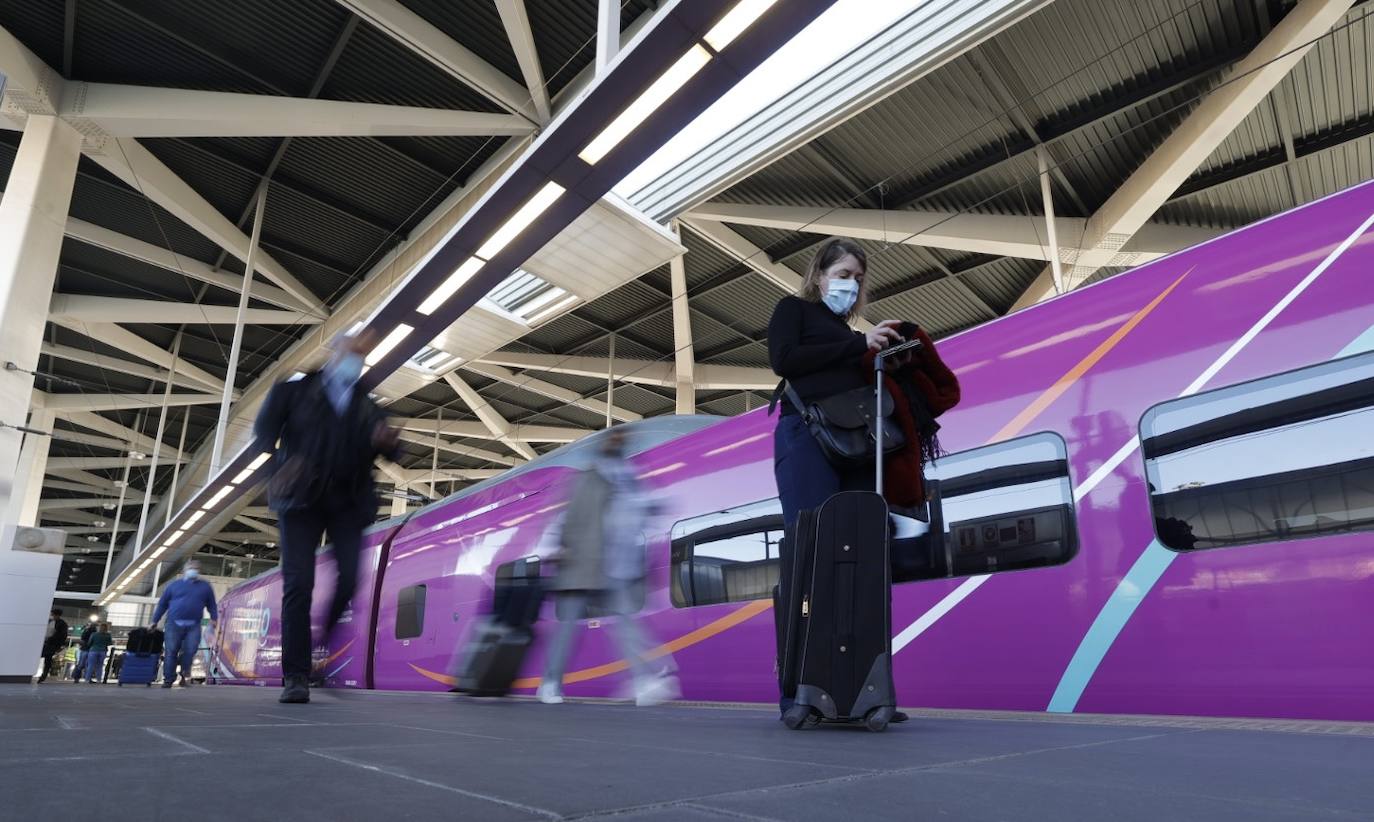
x=814, y=350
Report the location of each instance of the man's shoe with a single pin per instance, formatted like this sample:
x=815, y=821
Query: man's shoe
x=656, y=691
x=899, y=716
x=297, y=690
x=549, y=694
x=167, y=684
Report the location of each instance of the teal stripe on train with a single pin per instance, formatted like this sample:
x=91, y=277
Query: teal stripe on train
x=1130, y=592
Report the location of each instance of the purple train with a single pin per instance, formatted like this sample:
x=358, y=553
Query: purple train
x=1158, y=499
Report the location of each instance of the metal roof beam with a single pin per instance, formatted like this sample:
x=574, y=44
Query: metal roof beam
x=424, y=476
x=639, y=372
x=517, y=22
x=1329, y=140
x=459, y=450
x=499, y=427
x=1000, y=234
x=684, y=364
x=80, y=487
x=128, y=160
x=422, y=37
x=548, y=389
x=72, y=502
x=125, y=340
x=1189, y=145
x=476, y=430
x=121, y=244
x=134, y=440
x=143, y=111
x=90, y=308
x=117, y=402
x=123, y=366
x=87, y=463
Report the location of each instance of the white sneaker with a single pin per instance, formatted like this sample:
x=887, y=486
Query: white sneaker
x=656, y=691
x=549, y=694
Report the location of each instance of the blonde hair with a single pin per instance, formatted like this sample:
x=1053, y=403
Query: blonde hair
x=830, y=252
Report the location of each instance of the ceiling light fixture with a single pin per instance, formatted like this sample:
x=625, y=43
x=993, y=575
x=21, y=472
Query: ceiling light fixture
x=445, y=290
x=741, y=17
x=217, y=498
x=645, y=104
x=521, y=219
x=388, y=342
x=259, y=460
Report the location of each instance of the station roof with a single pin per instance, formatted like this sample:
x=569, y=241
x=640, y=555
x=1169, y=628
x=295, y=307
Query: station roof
x=1100, y=84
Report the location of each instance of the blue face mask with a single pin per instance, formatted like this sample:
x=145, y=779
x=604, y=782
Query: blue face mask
x=192, y=573
x=840, y=295
x=346, y=369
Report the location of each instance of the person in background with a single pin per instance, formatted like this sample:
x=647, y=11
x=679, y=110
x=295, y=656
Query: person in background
x=602, y=560
x=82, y=648
x=330, y=433
x=185, y=602
x=95, y=653
x=53, y=641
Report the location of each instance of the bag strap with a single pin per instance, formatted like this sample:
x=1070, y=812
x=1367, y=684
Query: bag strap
x=785, y=389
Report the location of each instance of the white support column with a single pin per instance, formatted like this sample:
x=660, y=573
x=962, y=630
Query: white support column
x=1048, y=197
x=498, y=426
x=607, y=33
x=217, y=455
x=399, y=502
x=28, y=475
x=684, y=356
x=33, y=215
x=610, y=383
x=516, y=19
x=33, y=218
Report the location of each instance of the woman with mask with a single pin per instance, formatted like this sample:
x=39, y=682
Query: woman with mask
x=813, y=348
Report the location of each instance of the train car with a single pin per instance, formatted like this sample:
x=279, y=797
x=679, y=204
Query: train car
x=1158, y=499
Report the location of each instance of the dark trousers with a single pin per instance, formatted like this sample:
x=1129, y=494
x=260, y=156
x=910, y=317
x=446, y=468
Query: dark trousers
x=301, y=529
x=805, y=479
x=48, y=651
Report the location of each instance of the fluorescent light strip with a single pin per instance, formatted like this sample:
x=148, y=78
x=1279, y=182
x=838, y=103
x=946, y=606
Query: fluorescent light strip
x=194, y=518
x=455, y=281
x=176, y=536
x=389, y=342
x=644, y=105
x=259, y=460
x=741, y=17
x=553, y=309
x=521, y=219
x=217, y=498
x=242, y=475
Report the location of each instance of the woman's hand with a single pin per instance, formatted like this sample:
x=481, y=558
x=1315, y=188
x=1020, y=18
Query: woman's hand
x=882, y=335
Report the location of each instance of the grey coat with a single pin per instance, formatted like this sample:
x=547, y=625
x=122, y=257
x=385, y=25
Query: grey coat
x=581, y=563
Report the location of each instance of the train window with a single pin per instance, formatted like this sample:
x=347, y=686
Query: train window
x=1001, y=507
x=727, y=556
x=516, y=594
x=1283, y=457
x=410, y=612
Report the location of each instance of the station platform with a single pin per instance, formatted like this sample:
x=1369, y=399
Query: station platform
x=211, y=753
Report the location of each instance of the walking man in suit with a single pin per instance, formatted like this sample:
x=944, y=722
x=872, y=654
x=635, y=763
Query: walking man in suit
x=330, y=434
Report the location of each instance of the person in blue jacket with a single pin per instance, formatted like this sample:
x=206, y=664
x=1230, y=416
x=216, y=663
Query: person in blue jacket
x=184, y=601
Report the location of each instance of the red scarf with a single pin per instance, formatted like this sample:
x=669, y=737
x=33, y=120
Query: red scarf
x=938, y=388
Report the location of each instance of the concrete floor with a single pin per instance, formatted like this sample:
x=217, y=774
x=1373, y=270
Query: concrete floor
x=233, y=753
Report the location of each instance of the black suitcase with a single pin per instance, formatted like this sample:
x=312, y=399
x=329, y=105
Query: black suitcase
x=144, y=641
x=493, y=657
x=836, y=642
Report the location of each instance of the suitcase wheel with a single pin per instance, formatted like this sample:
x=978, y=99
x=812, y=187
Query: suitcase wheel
x=800, y=717
x=877, y=719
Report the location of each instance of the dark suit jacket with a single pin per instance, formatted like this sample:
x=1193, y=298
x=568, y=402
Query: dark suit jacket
x=59, y=636
x=319, y=448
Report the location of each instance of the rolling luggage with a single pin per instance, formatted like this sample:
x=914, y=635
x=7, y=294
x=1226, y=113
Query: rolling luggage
x=138, y=668
x=835, y=635
x=145, y=641
x=836, y=654
x=499, y=642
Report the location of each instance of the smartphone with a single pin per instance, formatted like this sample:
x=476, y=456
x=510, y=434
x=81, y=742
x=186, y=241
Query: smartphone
x=900, y=347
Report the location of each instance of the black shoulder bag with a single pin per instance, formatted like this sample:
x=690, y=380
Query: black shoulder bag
x=846, y=425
